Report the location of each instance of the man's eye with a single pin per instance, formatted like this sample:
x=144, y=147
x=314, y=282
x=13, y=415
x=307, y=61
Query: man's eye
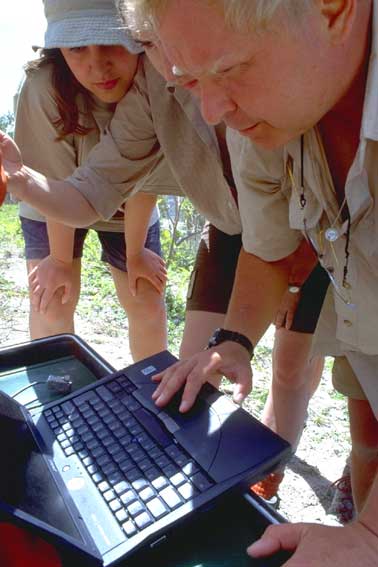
x=76, y=49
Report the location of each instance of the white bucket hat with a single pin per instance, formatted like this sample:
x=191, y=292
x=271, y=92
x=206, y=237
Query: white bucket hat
x=77, y=23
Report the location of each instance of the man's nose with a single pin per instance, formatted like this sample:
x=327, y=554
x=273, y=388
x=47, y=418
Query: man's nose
x=215, y=101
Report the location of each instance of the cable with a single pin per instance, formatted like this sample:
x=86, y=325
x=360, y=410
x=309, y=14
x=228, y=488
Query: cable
x=31, y=385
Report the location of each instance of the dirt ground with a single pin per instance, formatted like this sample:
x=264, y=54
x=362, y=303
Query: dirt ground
x=306, y=492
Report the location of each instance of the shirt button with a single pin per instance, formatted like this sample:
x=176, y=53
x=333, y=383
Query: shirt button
x=230, y=205
x=347, y=323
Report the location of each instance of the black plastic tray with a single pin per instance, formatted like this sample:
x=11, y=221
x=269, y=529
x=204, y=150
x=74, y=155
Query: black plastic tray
x=216, y=538
x=27, y=363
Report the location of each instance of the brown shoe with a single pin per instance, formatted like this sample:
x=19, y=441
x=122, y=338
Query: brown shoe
x=268, y=487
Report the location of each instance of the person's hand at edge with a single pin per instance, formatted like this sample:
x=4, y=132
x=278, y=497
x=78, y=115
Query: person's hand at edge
x=316, y=545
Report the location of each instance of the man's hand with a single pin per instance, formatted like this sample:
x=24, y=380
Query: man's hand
x=46, y=278
x=320, y=546
x=229, y=359
x=149, y=266
x=286, y=312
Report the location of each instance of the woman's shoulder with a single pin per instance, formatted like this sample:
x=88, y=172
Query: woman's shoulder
x=37, y=86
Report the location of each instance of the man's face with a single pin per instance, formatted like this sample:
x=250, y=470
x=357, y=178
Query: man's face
x=270, y=86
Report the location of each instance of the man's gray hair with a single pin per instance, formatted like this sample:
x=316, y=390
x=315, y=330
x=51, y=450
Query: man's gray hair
x=239, y=14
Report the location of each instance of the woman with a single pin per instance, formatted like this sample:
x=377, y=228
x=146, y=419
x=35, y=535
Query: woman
x=69, y=96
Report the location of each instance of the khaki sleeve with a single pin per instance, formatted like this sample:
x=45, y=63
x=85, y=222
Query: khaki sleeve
x=263, y=202
x=127, y=159
x=35, y=133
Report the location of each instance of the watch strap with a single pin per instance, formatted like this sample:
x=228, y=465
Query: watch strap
x=222, y=335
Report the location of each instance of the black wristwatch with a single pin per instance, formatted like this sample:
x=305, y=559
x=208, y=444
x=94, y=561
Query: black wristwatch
x=221, y=335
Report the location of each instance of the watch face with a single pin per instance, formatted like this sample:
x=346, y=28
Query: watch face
x=294, y=288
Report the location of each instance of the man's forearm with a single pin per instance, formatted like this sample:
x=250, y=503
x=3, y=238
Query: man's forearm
x=256, y=294
x=58, y=200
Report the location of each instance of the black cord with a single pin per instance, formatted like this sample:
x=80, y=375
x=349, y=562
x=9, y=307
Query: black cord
x=302, y=198
x=31, y=385
x=346, y=249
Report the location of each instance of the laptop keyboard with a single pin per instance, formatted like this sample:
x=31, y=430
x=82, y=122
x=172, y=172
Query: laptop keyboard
x=137, y=465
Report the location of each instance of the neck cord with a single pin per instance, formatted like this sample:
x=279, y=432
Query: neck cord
x=303, y=202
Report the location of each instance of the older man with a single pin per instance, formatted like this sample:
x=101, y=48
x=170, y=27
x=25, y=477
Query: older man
x=299, y=79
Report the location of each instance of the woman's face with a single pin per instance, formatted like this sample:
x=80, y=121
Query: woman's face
x=107, y=71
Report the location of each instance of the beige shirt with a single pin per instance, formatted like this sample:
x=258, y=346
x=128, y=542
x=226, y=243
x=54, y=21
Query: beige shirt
x=36, y=136
x=350, y=318
x=157, y=141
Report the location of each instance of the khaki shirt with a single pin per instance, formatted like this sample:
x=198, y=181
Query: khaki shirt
x=36, y=135
x=157, y=141
x=349, y=322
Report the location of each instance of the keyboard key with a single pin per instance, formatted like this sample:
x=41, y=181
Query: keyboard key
x=139, y=484
x=90, y=395
x=98, y=452
x=109, y=495
x=135, y=508
x=170, y=470
x=157, y=508
x=170, y=497
x=97, y=477
x=190, y=468
x=160, y=482
x=121, y=487
x=152, y=473
x=92, y=469
x=201, y=482
x=88, y=461
x=128, y=497
x=104, y=393
x=129, y=528
x=187, y=491
x=126, y=465
x=143, y=520
x=146, y=494
x=121, y=515
x=103, y=486
x=177, y=479
x=115, y=505
x=109, y=469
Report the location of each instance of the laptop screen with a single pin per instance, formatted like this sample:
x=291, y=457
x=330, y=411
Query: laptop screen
x=25, y=480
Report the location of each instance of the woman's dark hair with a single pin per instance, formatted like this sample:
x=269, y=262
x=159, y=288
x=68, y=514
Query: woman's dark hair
x=66, y=88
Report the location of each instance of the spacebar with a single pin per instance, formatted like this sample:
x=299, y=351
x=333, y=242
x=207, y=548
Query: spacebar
x=153, y=427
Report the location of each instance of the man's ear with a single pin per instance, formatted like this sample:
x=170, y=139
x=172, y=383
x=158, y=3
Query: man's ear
x=338, y=16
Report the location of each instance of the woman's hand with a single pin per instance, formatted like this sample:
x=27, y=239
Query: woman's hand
x=149, y=266
x=46, y=278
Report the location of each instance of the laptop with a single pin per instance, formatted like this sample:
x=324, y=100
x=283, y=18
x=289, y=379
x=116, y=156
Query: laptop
x=103, y=471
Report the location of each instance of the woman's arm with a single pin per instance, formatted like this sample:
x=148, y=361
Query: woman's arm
x=54, y=271
x=142, y=262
